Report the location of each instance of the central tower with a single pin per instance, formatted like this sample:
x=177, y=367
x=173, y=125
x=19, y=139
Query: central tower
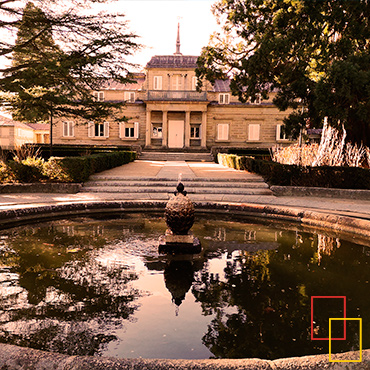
x=178, y=41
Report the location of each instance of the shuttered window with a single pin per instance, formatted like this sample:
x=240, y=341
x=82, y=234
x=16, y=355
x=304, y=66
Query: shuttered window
x=157, y=83
x=254, y=132
x=68, y=129
x=177, y=82
x=98, y=129
x=279, y=133
x=223, y=131
x=224, y=98
x=194, y=81
x=129, y=96
x=129, y=130
x=99, y=95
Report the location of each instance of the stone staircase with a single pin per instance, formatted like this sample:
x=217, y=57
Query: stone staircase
x=176, y=156
x=199, y=189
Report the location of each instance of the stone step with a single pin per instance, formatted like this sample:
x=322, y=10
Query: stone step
x=176, y=156
x=122, y=180
x=173, y=184
x=168, y=190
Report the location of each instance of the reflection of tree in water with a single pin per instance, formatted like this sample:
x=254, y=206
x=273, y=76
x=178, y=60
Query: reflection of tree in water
x=249, y=312
x=261, y=302
x=58, y=295
x=60, y=291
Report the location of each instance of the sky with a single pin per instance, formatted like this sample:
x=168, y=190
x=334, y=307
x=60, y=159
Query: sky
x=155, y=21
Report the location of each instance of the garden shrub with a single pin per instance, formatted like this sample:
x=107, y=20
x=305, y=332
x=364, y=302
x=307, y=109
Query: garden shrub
x=78, y=169
x=62, y=169
x=292, y=175
x=26, y=172
x=6, y=174
x=68, y=169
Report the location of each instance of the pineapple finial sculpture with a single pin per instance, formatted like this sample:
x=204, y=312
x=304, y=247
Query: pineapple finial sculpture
x=179, y=212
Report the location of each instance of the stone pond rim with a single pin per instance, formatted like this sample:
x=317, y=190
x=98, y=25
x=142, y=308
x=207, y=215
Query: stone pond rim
x=346, y=223
x=17, y=358
x=20, y=358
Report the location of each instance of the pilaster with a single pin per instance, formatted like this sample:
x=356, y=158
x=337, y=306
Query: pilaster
x=164, y=129
x=148, y=131
x=187, y=129
x=203, y=130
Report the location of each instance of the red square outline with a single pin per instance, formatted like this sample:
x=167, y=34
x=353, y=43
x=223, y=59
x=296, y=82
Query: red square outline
x=345, y=326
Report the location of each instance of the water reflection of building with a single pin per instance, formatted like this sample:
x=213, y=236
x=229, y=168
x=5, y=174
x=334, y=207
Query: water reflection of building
x=178, y=274
x=326, y=245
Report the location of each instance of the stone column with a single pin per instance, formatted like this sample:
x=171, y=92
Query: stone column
x=203, y=140
x=164, y=129
x=187, y=129
x=148, y=130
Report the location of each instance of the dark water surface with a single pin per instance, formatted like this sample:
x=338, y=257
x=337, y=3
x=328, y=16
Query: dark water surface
x=88, y=286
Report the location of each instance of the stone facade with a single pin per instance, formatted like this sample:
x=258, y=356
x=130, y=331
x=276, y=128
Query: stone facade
x=14, y=134
x=165, y=111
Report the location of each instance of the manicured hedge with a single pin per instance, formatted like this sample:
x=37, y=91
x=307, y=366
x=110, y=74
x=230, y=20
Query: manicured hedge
x=64, y=150
x=62, y=169
x=78, y=169
x=291, y=175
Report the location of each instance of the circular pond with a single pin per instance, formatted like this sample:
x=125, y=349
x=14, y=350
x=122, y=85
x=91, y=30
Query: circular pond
x=90, y=286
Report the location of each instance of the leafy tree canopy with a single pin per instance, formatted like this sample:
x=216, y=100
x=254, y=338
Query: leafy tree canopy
x=61, y=53
x=304, y=50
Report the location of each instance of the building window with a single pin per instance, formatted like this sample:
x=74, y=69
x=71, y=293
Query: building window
x=157, y=131
x=195, y=131
x=224, y=98
x=68, y=129
x=129, y=130
x=129, y=96
x=258, y=99
x=223, y=132
x=157, y=83
x=99, y=95
x=280, y=135
x=98, y=129
x=194, y=81
x=254, y=132
x=177, y=81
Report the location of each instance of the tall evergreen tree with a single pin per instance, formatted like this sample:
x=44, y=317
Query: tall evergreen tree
x=294, y=47
x=46, y=79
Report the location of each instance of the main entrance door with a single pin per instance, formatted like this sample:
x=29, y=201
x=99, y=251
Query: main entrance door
x=175, y=134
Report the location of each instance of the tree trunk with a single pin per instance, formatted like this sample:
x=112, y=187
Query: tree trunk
x=51, y=132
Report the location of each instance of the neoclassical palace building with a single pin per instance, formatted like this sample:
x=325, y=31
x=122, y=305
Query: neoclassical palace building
x=165, y=112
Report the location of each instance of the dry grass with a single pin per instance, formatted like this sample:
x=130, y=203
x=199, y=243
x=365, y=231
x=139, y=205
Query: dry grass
x=301, y=155
x=332, y=151
x=22, y=153
x=355, y=155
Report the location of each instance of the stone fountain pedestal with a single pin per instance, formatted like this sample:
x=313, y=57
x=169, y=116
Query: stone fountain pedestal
x=179, y=216
x=179, y=244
